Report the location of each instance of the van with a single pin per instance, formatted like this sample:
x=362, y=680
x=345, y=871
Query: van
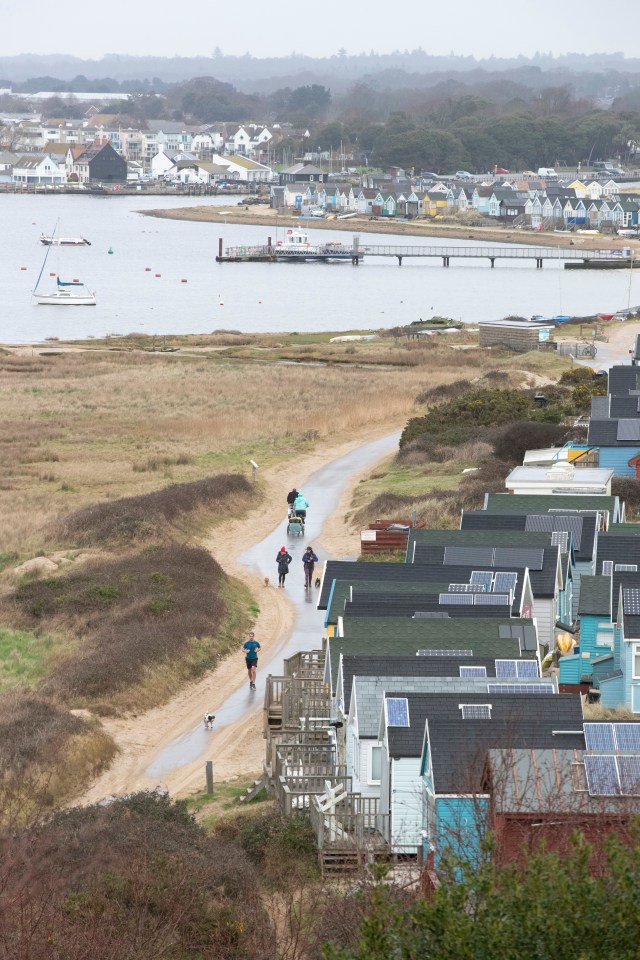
x=608, y=166
x=547, y=172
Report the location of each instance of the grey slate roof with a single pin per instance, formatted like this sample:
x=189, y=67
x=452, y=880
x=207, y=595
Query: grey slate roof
x=369, y=693
x=604, y=433
x=581, y=525
x=619, y=548
x=409, y=666
x=595, y=596
x=557, y=502
x=507, y=559
x=458, y=747
x=623, y=379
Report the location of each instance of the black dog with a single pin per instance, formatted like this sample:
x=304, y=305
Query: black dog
x=317, y=581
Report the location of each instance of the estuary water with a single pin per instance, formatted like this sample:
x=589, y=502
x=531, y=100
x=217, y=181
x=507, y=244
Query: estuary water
x=140, y=284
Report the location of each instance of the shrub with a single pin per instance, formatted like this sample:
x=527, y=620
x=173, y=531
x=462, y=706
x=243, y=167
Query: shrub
x=145, y=516
x=513, y=442
x=628, y=489
x=457, y=421
x=128, y=615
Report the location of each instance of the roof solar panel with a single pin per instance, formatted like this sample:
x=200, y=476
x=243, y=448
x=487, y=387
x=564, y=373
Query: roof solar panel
x=539, y=523
x=468, y=556
x=599, y=736
x=518, y=557
x=506, y=669
x=492, y=599
x=505, y=582
x=629, y=775
x=627, y=736
x=397, y=711
x=607, y=568
x=466, y=588
x=628, y=429
x=473, y=672
x=602, y=776
x=528, y=688
x=482, y=578
x=476, y=711
x=444, y=653
x=626, y=567
x=430, y=615
x=631, y=602
x=457, y=599
x=560, y=538
x=527, y=668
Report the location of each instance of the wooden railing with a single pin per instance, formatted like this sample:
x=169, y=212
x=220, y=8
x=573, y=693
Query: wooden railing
x=306, y=663
x=356, y=824
x=295, y=793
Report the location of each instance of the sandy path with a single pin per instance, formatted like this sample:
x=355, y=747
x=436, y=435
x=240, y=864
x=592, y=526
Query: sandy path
x=141, y=737
x=621, y=339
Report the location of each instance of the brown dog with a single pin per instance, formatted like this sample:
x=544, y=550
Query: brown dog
x=266, y=581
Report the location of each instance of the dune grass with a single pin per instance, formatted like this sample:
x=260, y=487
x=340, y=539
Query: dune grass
x=24, y=656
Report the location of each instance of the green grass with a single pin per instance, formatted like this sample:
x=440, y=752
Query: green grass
x=210, y=809
x=23, y=658
x=410, y=480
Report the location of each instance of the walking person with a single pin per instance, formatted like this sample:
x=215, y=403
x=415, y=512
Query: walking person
x=301, y=506
x=283, y=559
x=309, y=560
x=251, y=647
x=291, y=498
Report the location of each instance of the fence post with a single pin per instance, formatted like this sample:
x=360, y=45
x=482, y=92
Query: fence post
x=209, y=775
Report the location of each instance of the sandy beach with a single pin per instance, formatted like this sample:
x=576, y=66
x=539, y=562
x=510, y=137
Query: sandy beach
x=265, y=216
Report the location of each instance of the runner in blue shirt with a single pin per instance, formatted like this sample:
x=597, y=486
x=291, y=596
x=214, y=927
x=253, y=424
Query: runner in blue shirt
x=251, y=647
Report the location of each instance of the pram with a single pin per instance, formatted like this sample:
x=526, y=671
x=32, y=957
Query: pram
x=295, y=524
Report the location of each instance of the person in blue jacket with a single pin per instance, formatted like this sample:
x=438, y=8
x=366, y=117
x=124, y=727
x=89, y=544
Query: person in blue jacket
x=251, y=647
x=309, y=560
x=301, y=506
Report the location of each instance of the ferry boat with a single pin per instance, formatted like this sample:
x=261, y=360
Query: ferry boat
x=65, y=241
x=296, y=248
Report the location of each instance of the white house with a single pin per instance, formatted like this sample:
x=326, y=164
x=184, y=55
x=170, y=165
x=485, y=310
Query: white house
x=161, y=164
x=38, y=168
x=560, y=478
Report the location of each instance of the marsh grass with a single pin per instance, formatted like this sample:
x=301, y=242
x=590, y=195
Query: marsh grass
x=121, y=424
x=24, y=658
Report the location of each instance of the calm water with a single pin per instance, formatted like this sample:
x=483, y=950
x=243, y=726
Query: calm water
x=252, y=297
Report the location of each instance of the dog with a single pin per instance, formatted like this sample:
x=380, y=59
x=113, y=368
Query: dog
x=266, y=581
x=208, y=720
x=317, y=581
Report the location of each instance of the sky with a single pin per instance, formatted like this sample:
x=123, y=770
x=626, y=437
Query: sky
x=465, y=27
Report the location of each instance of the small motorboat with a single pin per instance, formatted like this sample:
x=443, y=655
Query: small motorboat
x=65, y=241
x=71, y=293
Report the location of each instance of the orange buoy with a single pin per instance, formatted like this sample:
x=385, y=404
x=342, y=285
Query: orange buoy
x=75, y=280
x=23, y=268
x=183, y=280
x=158, y=274
x=222, y=303
x=147, y=269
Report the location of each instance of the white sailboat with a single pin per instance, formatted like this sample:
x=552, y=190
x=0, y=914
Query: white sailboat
x=70, y=293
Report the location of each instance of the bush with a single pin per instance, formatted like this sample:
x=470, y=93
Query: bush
x=145, y=516
x=628, y=489
x=141, y=610
x=457, y=421
x=512, y=444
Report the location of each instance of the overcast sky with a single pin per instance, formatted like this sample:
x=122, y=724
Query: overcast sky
x=319, y=29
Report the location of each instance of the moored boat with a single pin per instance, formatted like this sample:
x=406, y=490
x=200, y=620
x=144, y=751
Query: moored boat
x=71, y=293
x=65, y=241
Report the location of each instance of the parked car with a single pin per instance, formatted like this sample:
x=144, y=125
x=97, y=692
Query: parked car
x=501, y=170
x=529, y=173
x=429, y=175
x=463, y=175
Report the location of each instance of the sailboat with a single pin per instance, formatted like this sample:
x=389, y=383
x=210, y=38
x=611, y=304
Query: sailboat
x=70, y=293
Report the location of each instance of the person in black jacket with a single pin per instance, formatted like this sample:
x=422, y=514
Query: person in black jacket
x=291, y=498
x=309, y=560
x=283, y=559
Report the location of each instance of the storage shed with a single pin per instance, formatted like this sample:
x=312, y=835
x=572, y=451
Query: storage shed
x=518, y=335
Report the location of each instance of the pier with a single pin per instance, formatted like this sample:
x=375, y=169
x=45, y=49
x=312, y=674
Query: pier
x=574, y=256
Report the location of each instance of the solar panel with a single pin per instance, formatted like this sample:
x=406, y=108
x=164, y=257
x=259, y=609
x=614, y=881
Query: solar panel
x=492, y=599
x=627, y=736
x=429, y=614
x=602, y=776
x=628, y=429
x=529, y=638
x=511, y=557
x=560, y=538
x=607, y=568
x=599, y=736
x=444, y=653
x=506, y=669
x=482, y=577
x=456, y=599
x=466, y=588
x=629, y=775
x=397, y=711
x=505, y=582
x=476, y=711
x=472, y=672
x=626, y=567
x=527, y=668
x=528, y=688
x=631, y=602
x=468, y=556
